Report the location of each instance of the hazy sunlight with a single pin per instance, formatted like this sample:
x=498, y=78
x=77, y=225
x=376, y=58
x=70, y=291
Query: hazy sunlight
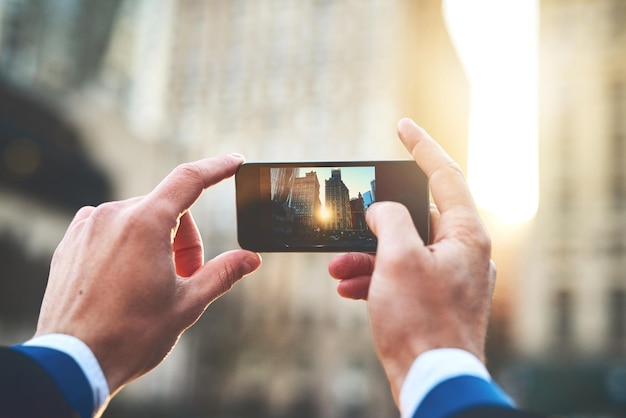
x=497, y=43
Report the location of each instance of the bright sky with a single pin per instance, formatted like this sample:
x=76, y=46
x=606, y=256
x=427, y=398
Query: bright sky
x=497, y=43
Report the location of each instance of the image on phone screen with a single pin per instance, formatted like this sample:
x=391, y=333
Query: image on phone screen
x=321, y=207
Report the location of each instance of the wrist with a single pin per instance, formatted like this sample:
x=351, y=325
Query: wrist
x=397, y=362
x=433, y=367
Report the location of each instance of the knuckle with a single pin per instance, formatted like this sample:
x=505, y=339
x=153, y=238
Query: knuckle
x=119, y=213
x=447, y=168
x=225, y=278
x=455, y=167
x=189, y=170
x=106, y=210
x=482, y=240
x=84, y=211
x=475, y=236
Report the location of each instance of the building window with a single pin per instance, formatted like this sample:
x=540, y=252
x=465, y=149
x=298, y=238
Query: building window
x=618, y=146
x=565, y=153
x=563, y=324
x=617, y=319
x=617, y=18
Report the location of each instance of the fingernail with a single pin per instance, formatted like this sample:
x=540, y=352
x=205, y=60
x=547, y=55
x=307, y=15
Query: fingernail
x=404, y=121
x=253, y=262
x=238, y=156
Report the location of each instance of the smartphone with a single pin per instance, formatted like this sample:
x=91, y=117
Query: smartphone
x=321, y=206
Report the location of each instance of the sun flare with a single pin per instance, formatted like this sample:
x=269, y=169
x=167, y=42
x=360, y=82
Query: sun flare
x=497, y=44
x=324, y=215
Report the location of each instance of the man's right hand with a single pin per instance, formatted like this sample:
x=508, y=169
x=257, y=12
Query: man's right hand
x=421, y=297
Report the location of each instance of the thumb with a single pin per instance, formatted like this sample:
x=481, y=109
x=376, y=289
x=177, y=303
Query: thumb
x=392, y=224
x=217, y=276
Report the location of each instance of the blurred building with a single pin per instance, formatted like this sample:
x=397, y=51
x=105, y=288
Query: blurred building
x=281, y=184
x=306, y=201
x=51, y=47
x=337, y=201
x=367, y=199
x=313, y=80
x=570, y=304
x=357, y=209
x=275, y=80
x=46, y=172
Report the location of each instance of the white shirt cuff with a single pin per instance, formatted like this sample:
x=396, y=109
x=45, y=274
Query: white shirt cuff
x=433, y=367
x=85, y=358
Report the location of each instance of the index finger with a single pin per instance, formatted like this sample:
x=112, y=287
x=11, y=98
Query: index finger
x=447, y=182
x=184, y=185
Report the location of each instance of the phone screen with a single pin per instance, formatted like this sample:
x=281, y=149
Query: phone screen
x=321, y=206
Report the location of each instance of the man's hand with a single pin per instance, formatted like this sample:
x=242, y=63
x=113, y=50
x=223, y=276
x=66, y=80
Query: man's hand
x=129, y=277
x=422, y=297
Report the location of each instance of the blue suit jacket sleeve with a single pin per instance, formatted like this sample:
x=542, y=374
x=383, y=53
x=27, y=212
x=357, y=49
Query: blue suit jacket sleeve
x=468, y=397
x=42, y=382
